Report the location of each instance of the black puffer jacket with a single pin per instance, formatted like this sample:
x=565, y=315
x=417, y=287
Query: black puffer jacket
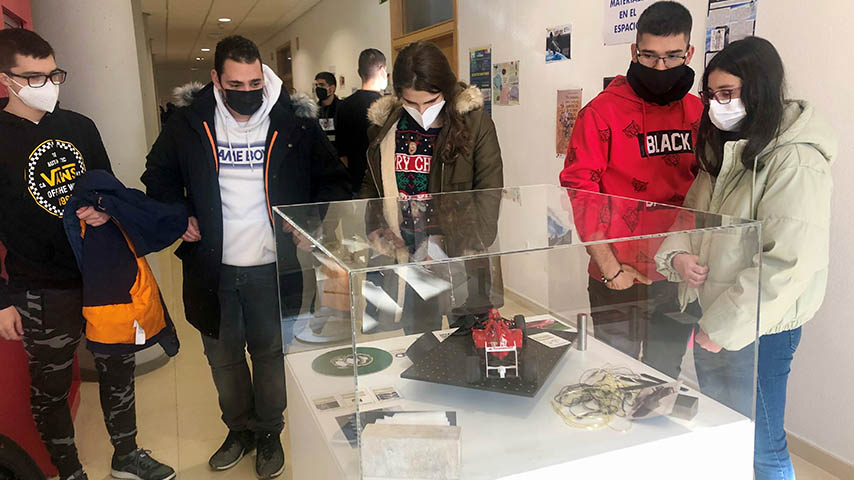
x=301, y=166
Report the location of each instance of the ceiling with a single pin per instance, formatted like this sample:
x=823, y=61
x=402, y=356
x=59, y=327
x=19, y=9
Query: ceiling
x=179, y=29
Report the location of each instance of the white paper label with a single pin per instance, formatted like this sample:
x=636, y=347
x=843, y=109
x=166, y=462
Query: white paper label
x=549, y=339
x=140, y=333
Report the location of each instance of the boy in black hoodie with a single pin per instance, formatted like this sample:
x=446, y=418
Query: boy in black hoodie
x=44, y=150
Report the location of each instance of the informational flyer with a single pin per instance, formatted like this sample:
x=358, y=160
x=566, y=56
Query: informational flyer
x=558, y=43
x=728, y=21
x=568, y=105
x=549, y=339
x=505, y=83
x=386, y=393
x=621, y=17
x=480, y=60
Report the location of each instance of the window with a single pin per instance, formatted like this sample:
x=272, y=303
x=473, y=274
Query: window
x=418, y=14
x=431, y=20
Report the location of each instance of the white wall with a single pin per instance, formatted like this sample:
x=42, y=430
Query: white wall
x=167, y=78
x=809, y=39
x=146, y=73
x=332, y=34
x=95, y=41
x=517, y=31
x=820, y=387
x=103, y=45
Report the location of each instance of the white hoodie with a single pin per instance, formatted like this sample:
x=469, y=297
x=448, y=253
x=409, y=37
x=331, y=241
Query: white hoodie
x=247, y=234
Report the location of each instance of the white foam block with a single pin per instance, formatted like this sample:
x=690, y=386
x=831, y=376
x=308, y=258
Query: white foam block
x=423, y=452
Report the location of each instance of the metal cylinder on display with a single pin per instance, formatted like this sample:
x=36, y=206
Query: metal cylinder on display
x=581, y=339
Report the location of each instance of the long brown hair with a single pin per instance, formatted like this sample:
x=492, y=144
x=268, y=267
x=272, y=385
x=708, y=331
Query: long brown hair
x=422, y=66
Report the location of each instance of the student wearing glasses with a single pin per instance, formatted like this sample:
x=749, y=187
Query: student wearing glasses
x=636, y=139
x=45, y=149
x=768, y=158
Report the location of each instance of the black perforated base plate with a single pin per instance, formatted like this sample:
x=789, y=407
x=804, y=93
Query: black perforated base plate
x=446, y=364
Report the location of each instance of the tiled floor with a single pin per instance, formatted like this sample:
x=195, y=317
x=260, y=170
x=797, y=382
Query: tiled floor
x=178, y=419
x=177, y=414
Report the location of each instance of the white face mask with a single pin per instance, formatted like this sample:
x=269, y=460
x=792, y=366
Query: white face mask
x=727, y=117
x=383, y=83
x=43, y=98
x=429, y=116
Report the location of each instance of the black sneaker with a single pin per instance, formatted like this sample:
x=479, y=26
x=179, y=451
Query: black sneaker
x=235, y=446
x=270, y=460
x=78, y=475
x=138, y=465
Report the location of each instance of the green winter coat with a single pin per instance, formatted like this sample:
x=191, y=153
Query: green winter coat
x=791, y=197
x=482, y=168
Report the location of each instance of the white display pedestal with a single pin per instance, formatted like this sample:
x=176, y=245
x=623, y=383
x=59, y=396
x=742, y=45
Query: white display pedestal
x=518, y=438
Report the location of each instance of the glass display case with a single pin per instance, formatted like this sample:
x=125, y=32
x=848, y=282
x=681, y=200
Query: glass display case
x=489, y=334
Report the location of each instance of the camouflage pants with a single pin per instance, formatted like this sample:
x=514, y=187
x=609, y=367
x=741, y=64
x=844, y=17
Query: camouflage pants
x=53, y=326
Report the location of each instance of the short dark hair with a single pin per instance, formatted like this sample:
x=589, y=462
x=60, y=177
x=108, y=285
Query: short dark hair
x=20, y=41
x=370, y=61
x=664, y=19
x=237, y=48
x=327, y=77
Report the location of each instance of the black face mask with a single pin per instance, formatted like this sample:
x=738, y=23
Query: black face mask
x=660, y=86
x=321, y=93
x=244, y=102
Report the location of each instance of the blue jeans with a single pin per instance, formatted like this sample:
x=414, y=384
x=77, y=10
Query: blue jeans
x=727, y=377
x=249, y=302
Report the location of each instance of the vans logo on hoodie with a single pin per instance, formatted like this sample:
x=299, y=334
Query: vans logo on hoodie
x=665, y=142
x=51, y=171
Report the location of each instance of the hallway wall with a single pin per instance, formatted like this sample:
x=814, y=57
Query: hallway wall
x=331, y=36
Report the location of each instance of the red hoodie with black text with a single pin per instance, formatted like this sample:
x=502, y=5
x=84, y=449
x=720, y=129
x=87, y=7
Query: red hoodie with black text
x=622, y=145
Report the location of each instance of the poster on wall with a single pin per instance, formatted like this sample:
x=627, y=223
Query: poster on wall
x=568, y=105
x=621, y=17
x=505, y=83
x=728, y=21
x=558, y=43
x=480, y=59
x=607, y=81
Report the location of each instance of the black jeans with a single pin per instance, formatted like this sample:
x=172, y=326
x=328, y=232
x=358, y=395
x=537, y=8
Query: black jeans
x=53, y=326
x=640, y=318
x=249, y=302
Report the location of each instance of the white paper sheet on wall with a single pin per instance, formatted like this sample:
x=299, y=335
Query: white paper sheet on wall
x=728, y=21
x=621, y=18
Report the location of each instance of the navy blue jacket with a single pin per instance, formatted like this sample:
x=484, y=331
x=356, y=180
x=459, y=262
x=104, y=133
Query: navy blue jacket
x=107, y=262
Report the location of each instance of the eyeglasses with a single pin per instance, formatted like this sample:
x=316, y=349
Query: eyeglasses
x=670, y=61
x=56, y=77
x=722, y=96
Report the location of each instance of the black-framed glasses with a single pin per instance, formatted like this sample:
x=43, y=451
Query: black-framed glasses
x=722, y=96
x=670, y=61
x=38, y=80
